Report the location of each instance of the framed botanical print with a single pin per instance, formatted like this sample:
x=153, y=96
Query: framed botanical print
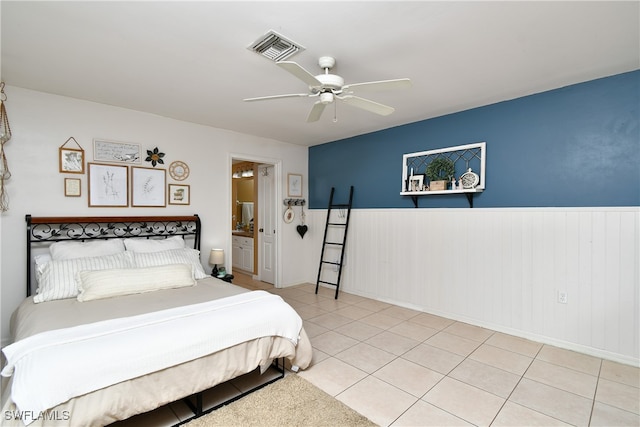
x=294, y=185
x=148, y=187
x=71, y=160
x=179, y=194
x=72, y=187
x=108, y=185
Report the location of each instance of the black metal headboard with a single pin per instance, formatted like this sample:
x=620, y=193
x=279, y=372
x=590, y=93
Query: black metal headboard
x=80, y=228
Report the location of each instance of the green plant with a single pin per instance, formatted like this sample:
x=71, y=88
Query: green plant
x=440, y=169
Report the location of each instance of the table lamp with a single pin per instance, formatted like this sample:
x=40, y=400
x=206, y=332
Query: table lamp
x=216, y=257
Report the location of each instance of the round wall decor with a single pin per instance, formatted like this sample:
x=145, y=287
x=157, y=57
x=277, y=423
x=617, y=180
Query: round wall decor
x=469, y=179
x=179, y=170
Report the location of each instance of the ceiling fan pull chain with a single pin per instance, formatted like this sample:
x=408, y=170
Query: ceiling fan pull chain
x=335, y=112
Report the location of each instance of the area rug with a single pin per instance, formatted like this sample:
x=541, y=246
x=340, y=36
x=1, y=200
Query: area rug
x=291, y=401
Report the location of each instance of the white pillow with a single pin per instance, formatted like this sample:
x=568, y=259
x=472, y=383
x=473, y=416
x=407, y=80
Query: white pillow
x=58, y=277
x=92, y=248
x=117, y=282
x=172, y=256
x=40, y=262
x=154, y=245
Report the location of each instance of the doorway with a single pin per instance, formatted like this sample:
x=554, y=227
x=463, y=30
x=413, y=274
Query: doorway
x=254, y=217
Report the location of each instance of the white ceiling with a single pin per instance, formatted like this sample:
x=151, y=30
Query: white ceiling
x=189, y=60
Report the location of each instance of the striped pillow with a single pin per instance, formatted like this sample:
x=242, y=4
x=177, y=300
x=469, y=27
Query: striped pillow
x=58, y=280
x=119, y=281
x=172, y=256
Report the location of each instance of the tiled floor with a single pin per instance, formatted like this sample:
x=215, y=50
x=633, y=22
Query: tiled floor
x=402, y=367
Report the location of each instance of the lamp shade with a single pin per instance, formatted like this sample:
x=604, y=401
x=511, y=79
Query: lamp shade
x=216, y=256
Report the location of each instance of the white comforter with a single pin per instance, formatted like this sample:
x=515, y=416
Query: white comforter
x=69, y=362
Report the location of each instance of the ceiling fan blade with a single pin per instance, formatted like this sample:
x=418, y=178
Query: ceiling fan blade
x=262, y=98
x=366, y=104
x=379, y=85
x=316, y=112
x=299, y=72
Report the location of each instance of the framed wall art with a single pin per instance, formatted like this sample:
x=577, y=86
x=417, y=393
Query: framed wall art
x=71, y=160
x=148, y=187
x=294, y=185
x=179, y=194
x=108, y=185
x=116, y=152
x=72, y=187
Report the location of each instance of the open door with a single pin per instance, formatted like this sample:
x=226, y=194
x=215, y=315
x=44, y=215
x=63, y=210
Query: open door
x=267, y=224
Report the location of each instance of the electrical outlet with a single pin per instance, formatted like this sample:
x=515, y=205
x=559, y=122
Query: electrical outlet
x=562, y=297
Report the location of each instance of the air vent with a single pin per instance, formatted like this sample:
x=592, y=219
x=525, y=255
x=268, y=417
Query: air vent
x=275, y=47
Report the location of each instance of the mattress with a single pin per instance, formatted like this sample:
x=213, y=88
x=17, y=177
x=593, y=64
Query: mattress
x=145, y=393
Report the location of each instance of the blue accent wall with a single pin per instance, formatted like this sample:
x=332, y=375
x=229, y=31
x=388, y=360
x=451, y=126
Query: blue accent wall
x=574, y=146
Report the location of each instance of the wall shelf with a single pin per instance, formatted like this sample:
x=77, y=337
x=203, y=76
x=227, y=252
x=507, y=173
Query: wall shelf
x=464, y=157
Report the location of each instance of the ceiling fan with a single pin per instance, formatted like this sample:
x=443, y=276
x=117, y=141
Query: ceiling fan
x=330, y=87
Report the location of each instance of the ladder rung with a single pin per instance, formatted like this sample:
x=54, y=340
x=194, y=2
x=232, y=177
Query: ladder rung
x=340, y=205
x=334, y=243
x=331, y=262
x=328, y=283
x=336, y=223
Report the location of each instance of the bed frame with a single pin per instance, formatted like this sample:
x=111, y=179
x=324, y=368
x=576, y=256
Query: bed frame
x=42, y=231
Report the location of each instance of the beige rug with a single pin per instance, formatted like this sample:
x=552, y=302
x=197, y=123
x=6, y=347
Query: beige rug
x=291, y=401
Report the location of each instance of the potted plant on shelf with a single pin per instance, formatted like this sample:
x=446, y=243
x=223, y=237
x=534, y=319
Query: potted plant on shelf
x=440, y=171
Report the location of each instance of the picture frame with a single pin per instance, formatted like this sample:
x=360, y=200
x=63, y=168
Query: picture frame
x=108, y=185
x=71, y=160
x=416, y=183
x=179, y=194
x=116, y=152
x=148, y=187
x=294, y=185
x=72, y=187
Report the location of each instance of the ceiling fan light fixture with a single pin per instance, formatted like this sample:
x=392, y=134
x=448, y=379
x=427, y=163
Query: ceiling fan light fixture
x=275, y=47
x=326, y=97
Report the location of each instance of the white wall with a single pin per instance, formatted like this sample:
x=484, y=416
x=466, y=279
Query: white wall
x=41, y=123
x=503, y=268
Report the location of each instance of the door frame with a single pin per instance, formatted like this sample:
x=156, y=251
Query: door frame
x=277, y=169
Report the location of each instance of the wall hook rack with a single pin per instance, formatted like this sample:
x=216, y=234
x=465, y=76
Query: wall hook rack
x=295, y=202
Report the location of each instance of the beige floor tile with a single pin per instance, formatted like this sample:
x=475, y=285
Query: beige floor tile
x=372, y=305
x=556, y=403
x=366, y=357
x=308, y=298
x=353, y=312
x=381, y=402
x=607, y=416
x=625, y=374
x=313, y=329
x=453, y=343
x=332, y=342
x=408, y=376
x=433, y=358
x=381, y=321
x=471, y=332
x=503, y=359
x=332, y=305
x=425, y=414
x=333, y=375
x=400, y=312
x=464, y=401
x=359, y=330
x=514, y=344
x=392, y=343
x=485, y=377
x=350, y=298
x=331, y=320
x=619, y=395
x=512, y=415
x=414, y=331
x=431, y=321
x=570, y=359
x=309, y=312
x=563, y=378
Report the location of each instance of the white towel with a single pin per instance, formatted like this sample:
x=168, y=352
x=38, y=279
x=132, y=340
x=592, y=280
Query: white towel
x=247, y=212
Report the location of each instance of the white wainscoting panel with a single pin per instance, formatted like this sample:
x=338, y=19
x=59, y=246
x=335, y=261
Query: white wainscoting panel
x=504, y=269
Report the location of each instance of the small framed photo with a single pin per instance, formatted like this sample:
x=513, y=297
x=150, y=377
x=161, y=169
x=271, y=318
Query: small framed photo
x=71, y=160
x=72, y=187
x=148, y=187
x=179, y=194
x=294, y=185
x=416, y=183
x=108, y=185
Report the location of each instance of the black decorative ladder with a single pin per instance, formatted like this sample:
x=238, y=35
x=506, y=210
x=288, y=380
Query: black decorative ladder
x=337, y=244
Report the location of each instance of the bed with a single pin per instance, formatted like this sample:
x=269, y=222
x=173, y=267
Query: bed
x=142, y=325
